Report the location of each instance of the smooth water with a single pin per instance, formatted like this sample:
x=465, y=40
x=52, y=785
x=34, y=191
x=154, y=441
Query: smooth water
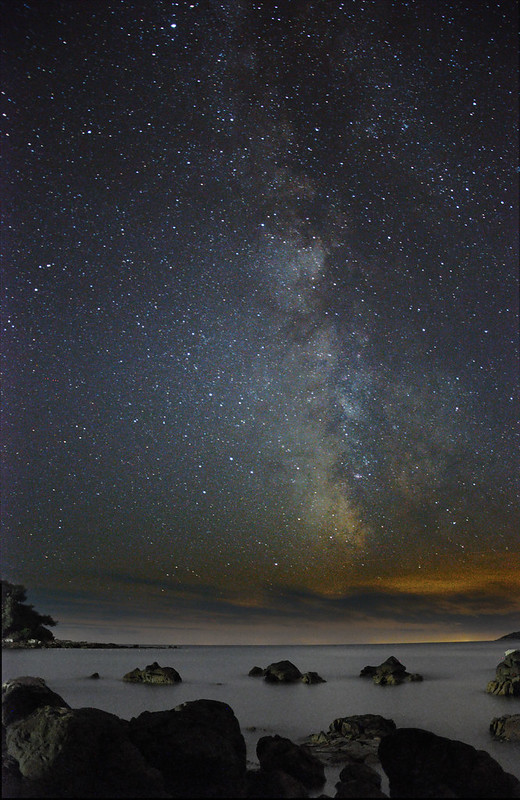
x=451, y=701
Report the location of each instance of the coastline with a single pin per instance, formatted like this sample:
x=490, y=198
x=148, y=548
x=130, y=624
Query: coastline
x=58, y=644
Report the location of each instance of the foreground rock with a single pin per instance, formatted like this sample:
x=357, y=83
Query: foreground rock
x=22, y=696
x=390, y=673
x=421, y=764
x=359, y=780
x=285, y=672
x=276, y=784
x=51, y=750
x=84, y=752
x=197, y=747
x=506, y=728
x=276, y=753
x=153, y=673
x=507, y=678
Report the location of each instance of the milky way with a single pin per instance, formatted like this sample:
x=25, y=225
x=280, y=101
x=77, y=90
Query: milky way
x=261, y=326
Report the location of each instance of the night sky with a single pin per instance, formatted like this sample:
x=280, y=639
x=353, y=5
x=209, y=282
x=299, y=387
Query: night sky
x=261, y=320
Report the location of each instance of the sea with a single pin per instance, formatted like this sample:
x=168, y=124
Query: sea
x=451, y=701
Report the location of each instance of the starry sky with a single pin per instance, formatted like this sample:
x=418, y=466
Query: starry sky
x=261, y=318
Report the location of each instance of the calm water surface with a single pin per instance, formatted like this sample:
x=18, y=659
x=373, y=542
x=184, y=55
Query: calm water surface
x=451, y=701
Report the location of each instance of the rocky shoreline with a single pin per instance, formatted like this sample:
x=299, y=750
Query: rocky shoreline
x=197, y=749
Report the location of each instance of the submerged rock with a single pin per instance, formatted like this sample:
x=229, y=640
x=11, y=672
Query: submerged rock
x=390, y=673
x=153, y=673
x=507, y=678
x=421, y=764
x=506, y=728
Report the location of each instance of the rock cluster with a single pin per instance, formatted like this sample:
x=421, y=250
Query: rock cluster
x=153, y=673
x=421, y=764
x=197, y=750
x=193, y=750
x=51, y=750
x=507, y=678
x=355, y=738
x=390, y=673
x=284, y=672
x=506, y=728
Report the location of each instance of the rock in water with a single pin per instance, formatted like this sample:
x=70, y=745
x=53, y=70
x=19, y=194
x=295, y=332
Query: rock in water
x=276, y=753
x=153, y=673
x=312, y=677
x=506, y=728
x=390, y=673
x=421, y=764
x=362, y=727
x=285, y=672
x=507, y=678
x=198, y=748
x=282, y=672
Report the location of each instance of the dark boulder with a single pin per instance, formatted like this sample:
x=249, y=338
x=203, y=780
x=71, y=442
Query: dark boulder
x=198, y=748
x=278, y=753
x=390, y=673
x=421, y=764
x=359, y=780
x=84, y=752
x=21, y=696
x=94, y=676
x=507, y=677
x=282, y=672
x=256, y=672
x=506, y=728
x=273, y=784
x=153, y=673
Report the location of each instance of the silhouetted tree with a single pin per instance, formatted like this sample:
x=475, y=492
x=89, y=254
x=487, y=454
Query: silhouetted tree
x=19, y=619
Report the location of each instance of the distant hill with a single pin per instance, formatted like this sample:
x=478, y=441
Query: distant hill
x=515, y=635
